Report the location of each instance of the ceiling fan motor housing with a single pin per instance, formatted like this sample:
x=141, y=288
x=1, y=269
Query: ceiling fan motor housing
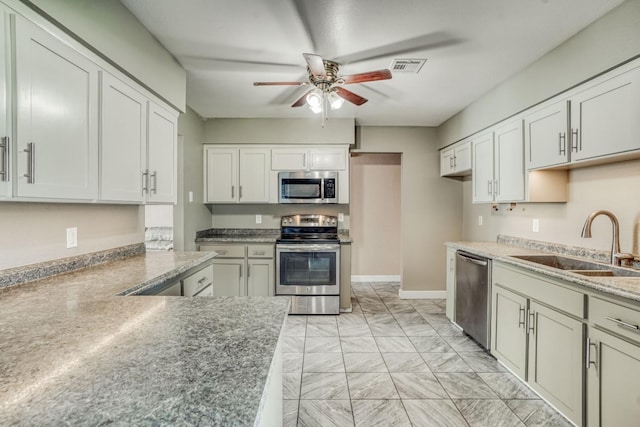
x=331, y=76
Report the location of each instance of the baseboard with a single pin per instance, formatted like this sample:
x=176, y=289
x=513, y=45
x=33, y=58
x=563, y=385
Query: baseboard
x=378, y=278
x=422, y=294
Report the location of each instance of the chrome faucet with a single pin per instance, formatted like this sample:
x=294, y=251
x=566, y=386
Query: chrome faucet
x=616, y=256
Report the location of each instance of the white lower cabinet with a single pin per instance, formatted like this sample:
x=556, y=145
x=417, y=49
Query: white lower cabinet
x=537, y=332
x=613, y=360
x=199, y=284
x=242, y=270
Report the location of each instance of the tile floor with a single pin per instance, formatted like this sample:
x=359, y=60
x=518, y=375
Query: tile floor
x=396, y=362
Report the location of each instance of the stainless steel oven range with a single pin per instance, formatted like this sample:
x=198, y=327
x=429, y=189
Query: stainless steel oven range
x=308, y=263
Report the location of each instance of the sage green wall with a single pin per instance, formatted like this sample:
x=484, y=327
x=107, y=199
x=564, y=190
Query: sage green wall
x=190, y=216
x=431, y=207
x=612, y=39
x=110, y=28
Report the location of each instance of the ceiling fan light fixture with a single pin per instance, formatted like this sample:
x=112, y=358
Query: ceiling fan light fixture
x=335, y=101
x=314, y=99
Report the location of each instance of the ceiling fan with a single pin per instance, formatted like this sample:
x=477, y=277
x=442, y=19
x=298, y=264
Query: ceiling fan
x=328, y=85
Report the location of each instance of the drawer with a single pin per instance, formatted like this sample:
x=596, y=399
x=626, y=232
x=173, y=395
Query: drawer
x=260, y=251
x=225, y=251
x=197, y=282
x=619, y=319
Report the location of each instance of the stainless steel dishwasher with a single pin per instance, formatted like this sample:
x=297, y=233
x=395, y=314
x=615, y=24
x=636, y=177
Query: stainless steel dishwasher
x=473, y=301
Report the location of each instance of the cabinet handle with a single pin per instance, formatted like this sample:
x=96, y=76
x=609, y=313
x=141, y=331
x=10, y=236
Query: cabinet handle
x=248, y=271
x=154, y=182
x=451, y=265
x=240, y=191
x=521, y=318
x=588, y=361
x=258, y=252
x=574, y=141
x=624, y=324
x=455, y=162
x=490, y=192
x=562, y=142
x=240, y=272
x=145, y=181
x=31, y=163
x=532, y=322
x=495, y=187
x=5, y=158
x=233, y=191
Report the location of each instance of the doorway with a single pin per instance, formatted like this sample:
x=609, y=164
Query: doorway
x=375, y=197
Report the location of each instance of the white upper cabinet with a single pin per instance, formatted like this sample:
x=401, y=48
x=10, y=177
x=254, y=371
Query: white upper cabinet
x=482, y=170
x=456, y=160
x=162, y=142
x=5, y=106
x=123, y=141
x=498, y=165
x=57, y=124
x=604, y=118
x=301, y=159
x=237, y=175
x=546, y=136
x=509, y=162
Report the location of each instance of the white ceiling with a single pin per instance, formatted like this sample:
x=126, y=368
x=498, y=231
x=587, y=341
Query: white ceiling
x=470, y=46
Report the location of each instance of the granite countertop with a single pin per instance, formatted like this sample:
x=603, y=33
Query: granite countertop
x=74, y=353
x=624, y=287
x=250, y=235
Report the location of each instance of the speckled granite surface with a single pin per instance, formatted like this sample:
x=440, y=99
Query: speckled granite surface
x=41, y=270
x=249, y=235
x=73, y=353
x=624, y=287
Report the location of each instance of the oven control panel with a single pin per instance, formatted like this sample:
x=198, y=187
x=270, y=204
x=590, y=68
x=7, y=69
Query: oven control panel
x=309, y=220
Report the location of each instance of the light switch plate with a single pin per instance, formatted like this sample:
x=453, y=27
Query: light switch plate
x=479, y=219
x=341, y=217
x=190, y=196
x=258, y=219
x=535, y=225
x=72, y=237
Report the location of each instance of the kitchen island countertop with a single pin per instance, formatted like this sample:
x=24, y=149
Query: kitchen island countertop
x=72, y=352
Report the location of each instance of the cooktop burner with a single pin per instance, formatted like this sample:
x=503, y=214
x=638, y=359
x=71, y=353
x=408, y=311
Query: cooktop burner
x=308, y=228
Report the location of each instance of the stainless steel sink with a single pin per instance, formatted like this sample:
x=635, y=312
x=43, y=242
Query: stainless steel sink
x=579, y=266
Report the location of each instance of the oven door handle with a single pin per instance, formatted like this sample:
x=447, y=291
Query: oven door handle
x=307, y=247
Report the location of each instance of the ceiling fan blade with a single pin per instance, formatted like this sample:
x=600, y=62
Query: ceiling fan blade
x=349, y=96
x=280, y=83
x=315, y=63
x=301, y=101
x=367, y=77
x=428, y=41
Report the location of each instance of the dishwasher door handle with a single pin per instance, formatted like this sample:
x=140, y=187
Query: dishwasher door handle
x=473, y=260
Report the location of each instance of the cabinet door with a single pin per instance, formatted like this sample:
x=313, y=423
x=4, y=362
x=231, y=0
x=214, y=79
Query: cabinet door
x=260, y=278
x=555, y=359
x=123, y=141
x=604, y=118
x=162, y=155
x=446, y=162
x=509, y=163
x=508, y=329
x=289, y=159
x=228, y=278
x=222, y=175
x=330, y=159
x=57, y=107
x=482, y=171
x=613, y=393
x=462, y=157
x=545, y=136
x=254, y=175
x=5, y=107
x=451, y=284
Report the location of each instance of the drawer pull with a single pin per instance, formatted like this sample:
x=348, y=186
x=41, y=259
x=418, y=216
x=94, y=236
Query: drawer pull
x=624, y=324
x=221, y=251
x=258, y=252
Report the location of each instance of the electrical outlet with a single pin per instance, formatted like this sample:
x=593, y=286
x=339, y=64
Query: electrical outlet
x=535, y=225
x=72, y=237
x=340, y=217
x=258, y=219
x=479, y=219
x=190, y=196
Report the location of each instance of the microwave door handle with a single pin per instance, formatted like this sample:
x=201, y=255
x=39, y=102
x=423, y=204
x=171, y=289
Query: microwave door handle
x=321, y=188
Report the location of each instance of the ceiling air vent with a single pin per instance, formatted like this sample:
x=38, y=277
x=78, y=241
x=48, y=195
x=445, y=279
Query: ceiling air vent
x=403, y=65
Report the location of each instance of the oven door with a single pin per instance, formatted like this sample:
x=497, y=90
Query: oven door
x=308, y=269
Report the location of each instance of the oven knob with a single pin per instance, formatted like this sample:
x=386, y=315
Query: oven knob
x=308, y=289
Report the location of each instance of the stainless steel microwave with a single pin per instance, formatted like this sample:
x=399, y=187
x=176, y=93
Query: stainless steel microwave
x=308, y=187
